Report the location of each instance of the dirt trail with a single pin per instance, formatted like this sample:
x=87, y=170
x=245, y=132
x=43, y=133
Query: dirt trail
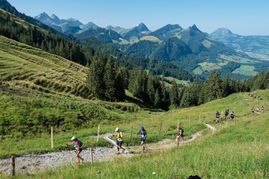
x=31, y=164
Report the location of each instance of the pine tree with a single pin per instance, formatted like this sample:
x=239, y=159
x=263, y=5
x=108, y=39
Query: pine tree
x=120, y=84
x=174, y=94
x=151, y=89
x=110, y=81
x=95, y=80
x=157, y=98
x=139, y=89
x=165, y=97
x=212, y=88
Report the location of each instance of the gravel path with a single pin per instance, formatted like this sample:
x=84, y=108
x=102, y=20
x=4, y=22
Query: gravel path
x=32, y=164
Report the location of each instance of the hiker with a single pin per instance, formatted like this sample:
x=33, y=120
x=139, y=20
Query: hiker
x=217, y=117
x=119, y=140
x=253, y=110
x=143, y=136
x=78, y=148
x=180, y=135
x=262, y=109
x=232, y=115
x=257, y=110
x=226, y=114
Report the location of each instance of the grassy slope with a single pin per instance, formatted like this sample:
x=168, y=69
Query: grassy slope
x=238, y=151
x=23, y=65
x=188, y=118
x=36, y=87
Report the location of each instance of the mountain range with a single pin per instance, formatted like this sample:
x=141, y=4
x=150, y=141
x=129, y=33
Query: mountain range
x=173, y=46
x=28, y=30
x=196, y=51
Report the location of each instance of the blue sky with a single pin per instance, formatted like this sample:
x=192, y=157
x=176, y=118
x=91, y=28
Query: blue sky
x=246, y=17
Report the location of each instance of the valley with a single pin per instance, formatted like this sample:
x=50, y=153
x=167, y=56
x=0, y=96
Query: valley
x=95, y=96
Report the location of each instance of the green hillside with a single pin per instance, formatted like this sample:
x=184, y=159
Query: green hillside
x=62, y=80
x=237, y=150
x=38, y=90
x=23, y=65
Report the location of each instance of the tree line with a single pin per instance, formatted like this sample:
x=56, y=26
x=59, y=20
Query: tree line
x=108, y=81
x=215, y=87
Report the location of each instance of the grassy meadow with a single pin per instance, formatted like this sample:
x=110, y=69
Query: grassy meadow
x=159, y=125
x=238, y=150
x=38, y=90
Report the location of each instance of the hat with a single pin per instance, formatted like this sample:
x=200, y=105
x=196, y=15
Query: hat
x=117, y=129
x=73, y=138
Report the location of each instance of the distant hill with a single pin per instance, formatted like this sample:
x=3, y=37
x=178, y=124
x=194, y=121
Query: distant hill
x=197, y=52
x=131, y=62
x=254, y=45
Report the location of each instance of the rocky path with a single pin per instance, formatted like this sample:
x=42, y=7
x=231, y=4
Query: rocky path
x=34, y=163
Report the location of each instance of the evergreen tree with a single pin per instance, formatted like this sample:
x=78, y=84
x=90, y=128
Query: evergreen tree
x=151, y=89
x=157, y=98
x=95, y=80
x=212, y=88
x=110, y=81
x=165, y=97
x=139, y=89
x=121, y=84
x=191, y=94
x=174, y=94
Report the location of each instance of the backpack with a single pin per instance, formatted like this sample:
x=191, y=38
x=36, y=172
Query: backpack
x=180, y=132
x=80, y=144
x=143, y=132
x=226, y=112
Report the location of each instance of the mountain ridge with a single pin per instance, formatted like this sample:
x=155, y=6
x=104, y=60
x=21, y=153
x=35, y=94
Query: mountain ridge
x=207, y=54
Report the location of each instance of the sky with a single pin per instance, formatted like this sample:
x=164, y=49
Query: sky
x=245, y=17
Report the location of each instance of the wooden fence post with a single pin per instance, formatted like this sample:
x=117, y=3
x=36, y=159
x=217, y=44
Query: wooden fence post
x=13, y=165
x=98, y=133
x=131, y=135
x=189, y=122
x=91, y=154
x=160, y=128
x=51, y=137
